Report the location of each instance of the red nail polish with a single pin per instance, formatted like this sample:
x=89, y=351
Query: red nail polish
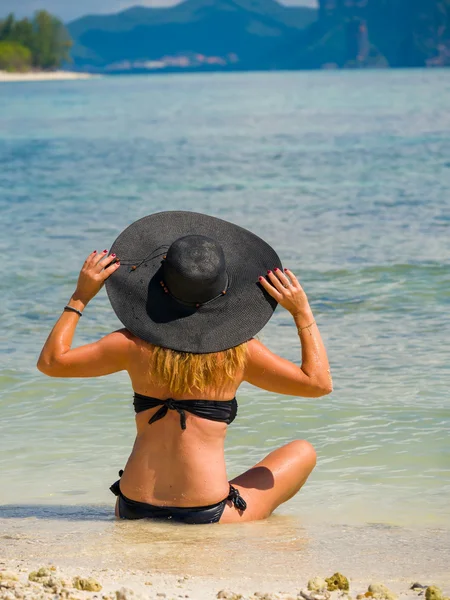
x=105, y=250
x=260, y=278
x=276, y=269
x=269, y=272
x=95, y=252
x=113, y=255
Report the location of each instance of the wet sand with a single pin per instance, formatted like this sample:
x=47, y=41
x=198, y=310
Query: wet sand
x=276, y=557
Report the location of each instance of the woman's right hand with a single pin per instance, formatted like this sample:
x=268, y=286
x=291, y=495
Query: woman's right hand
x=287, y=291
x=95, y=271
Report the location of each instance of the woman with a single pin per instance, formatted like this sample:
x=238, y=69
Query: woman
x=192, y=292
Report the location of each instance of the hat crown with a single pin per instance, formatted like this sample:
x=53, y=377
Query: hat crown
x=195, y=269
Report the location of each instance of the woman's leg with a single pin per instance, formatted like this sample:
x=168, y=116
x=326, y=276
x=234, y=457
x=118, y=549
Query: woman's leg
x=271, y=482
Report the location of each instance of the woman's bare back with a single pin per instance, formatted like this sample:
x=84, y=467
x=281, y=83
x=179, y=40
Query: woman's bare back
x=170, y=466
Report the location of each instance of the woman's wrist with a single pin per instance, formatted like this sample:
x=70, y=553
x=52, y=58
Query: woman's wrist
x=303, y=318
x=78, y=301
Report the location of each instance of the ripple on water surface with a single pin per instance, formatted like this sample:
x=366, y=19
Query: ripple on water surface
x=349, y=185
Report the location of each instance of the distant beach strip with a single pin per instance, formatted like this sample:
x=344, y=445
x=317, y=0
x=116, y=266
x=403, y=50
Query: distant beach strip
x=6, y=77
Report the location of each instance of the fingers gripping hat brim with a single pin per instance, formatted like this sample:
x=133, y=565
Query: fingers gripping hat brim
x=141, y=304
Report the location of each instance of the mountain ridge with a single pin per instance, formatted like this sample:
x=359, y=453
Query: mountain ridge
x=298, y=15
x=263, y=34
x=214, y=28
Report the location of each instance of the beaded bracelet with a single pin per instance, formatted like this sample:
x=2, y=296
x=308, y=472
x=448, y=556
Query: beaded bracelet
x=75, y=310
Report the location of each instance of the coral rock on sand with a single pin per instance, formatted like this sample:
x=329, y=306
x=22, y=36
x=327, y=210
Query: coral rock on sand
x=46, y=577
x=5, y=576
x=337, y=582
x=417, y=586
x=125, y=594
x=40, y=574
x=308, y=595
x=433, y=593
x=88, y=584
x=53, y=582
x=228, y=595
x=380, y=592
x=317, y=584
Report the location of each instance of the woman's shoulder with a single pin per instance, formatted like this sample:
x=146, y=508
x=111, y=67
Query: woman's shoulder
x=123, y=339
x=256, y=348
x=259, y=356
x=126, y=334
x=132, y=342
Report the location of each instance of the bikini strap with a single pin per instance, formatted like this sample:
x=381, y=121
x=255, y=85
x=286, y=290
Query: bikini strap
x=236, y=498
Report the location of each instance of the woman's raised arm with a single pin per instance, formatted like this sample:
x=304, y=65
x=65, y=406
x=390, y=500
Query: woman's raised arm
x=108, y=355
x=273, y=373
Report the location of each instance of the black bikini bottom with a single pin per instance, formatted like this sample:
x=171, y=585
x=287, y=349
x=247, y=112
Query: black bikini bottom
x=197, y=515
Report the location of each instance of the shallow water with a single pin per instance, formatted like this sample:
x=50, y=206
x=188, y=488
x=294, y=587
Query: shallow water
x=281, y=549
x=347, y=175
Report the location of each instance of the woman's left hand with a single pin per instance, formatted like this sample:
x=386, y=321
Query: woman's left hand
x=95, y=271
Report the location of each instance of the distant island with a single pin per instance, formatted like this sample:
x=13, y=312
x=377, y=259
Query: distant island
x=231, y=35
x=40, y=44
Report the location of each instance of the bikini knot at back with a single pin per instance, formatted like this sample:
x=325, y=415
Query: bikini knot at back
x=224, y=411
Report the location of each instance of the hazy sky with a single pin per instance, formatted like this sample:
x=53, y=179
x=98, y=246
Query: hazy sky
x=71, y=9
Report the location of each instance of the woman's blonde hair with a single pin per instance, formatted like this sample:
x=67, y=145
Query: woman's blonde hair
x=184, y=372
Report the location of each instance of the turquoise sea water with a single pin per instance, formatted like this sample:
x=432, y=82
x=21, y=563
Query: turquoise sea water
x=346, y=174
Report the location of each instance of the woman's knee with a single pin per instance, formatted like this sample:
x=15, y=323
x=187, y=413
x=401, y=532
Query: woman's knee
x=304, y=452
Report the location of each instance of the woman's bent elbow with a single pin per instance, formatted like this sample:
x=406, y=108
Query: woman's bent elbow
x=323, y=389
x=41, y=366
x=44, y=367
x=327, y=389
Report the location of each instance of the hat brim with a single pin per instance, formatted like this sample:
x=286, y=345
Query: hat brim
x=140, y=303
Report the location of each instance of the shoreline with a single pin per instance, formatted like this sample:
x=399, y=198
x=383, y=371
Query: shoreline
x=6, y=77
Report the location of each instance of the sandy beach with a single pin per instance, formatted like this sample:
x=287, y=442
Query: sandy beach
x=272, y=560
x=6, y=77
x=31, y=581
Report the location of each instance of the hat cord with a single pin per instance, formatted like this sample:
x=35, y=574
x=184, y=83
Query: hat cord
x=195, y=304
x=155, y=254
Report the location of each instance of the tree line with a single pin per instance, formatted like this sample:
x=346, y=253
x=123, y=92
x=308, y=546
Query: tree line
x=38, y=43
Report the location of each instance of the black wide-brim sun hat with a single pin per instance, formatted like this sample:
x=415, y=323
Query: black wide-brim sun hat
x=190, y=282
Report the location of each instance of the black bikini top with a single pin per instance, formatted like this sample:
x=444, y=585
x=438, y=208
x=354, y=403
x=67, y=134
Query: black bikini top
x=224, y=411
